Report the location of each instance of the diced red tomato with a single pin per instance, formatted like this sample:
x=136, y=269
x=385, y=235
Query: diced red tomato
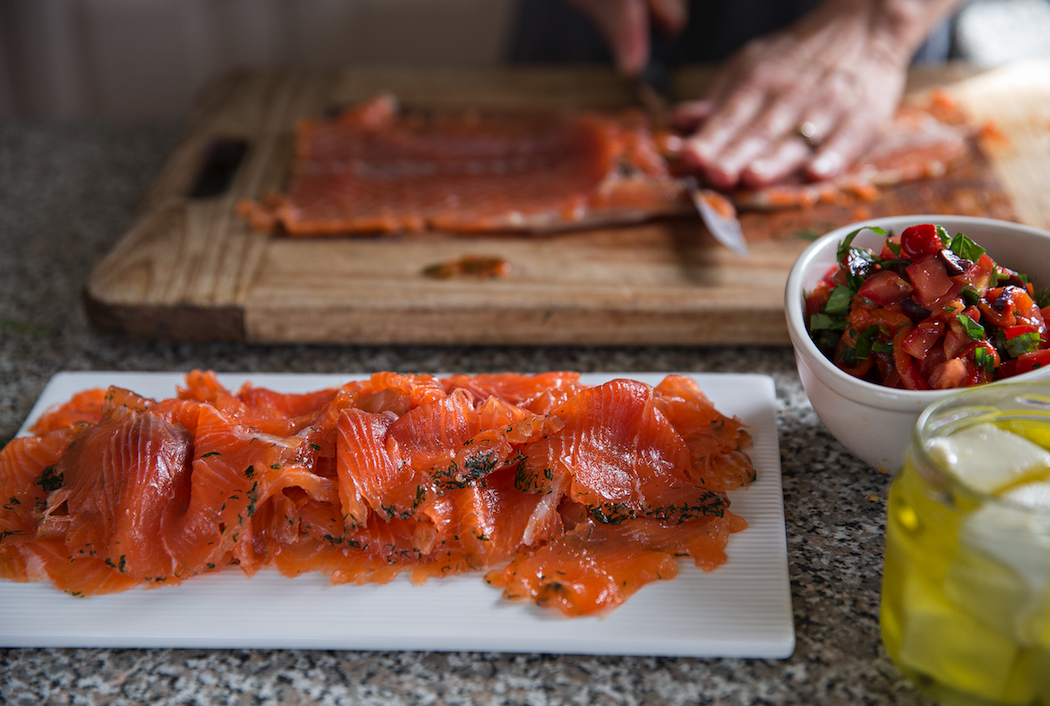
x=930, y=280
x=1019, y=330
x=949, y=302
x=950, y=374
x=891, y=317
x=886, y=287
x=918, y=241
x=934, y=358
x=841, y=277
x=905, y=363
x=832, y=271
x=858, y=369
x=817, y=299
x=955, y=340
x=1000, y=319
x=887, y=253
x=1027, y=311
x=923, y=337
x=1032, y=361
x=979, y=277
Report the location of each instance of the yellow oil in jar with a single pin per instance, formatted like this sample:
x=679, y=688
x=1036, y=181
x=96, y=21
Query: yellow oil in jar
x=966, y=586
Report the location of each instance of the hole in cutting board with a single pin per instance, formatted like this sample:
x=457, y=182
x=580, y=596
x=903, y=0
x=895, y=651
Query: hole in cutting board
x=222, y=157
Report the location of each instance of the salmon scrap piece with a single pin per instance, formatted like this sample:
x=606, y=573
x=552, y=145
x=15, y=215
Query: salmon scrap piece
x=525, y=477
x=917, y=145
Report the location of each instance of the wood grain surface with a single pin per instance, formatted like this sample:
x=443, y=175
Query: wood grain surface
x=190, y=268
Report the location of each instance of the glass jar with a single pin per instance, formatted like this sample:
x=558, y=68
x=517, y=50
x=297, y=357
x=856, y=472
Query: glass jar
x=966, y=587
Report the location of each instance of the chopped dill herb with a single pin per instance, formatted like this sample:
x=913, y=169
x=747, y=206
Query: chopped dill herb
x=253, y=496
x=49, y=480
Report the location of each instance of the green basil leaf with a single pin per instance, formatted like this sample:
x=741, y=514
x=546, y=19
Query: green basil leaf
x=847, y=242
x=973, y=329
x=839, y=301
x=866, y=340
x=966, y=248
x=1025, y=343
x=823, y=322
x=943, y=235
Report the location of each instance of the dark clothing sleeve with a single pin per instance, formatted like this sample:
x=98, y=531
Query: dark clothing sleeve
x=554, y=31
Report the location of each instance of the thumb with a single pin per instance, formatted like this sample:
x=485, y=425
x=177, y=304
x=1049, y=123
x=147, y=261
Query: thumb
x=625, y=26
x=671, y=14
x=688, y=116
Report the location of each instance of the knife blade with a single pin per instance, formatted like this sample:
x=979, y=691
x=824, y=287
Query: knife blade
x=656, y=93
x=719, y=215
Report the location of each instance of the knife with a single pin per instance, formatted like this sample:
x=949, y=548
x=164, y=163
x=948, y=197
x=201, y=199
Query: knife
x=656, y=93
x=656, y=89
x=719, y=215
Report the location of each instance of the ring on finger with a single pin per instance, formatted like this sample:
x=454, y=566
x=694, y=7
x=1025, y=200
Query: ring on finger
x=809, y=134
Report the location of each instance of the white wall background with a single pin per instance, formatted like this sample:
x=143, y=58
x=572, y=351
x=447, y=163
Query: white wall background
x=147, y=58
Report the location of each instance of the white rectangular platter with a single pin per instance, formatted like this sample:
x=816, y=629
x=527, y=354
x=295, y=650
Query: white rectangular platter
x=742, y=609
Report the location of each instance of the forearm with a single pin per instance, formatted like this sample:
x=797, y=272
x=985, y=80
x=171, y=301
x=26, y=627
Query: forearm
x=895, y=28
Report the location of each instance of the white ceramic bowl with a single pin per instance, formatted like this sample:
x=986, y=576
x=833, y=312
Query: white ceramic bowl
x=872, y=421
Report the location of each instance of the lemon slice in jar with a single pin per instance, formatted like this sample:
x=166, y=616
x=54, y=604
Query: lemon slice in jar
x=990, y=459
x=1000, y=574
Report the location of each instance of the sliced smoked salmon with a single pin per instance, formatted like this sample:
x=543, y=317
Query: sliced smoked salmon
x=570, y=495
x=378, y=168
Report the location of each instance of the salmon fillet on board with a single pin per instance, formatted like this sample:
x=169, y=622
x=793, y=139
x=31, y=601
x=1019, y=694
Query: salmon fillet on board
x=525, y=477
x=376, y=168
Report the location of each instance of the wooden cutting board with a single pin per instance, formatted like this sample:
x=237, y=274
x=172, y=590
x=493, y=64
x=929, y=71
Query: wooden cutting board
x=189, y=268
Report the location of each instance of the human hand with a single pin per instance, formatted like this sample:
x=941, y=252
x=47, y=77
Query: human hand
x=625, y=26
x=839, y=73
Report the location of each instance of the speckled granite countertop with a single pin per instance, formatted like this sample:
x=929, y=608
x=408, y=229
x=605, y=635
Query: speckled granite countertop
x=66, y=195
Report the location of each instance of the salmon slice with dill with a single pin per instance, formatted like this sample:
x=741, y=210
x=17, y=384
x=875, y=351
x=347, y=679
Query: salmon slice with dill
x=717, y=444
x=125, y=482
x=27, y=476
x=624, y=456
x=595, y=567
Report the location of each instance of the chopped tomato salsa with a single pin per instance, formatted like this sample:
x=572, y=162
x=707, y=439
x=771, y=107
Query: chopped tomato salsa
x=927, y=311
